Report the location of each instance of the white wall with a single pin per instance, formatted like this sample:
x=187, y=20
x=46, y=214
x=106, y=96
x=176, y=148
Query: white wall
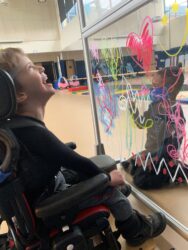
x=172, y=37
x=131, y=23
x=37, y=29
x=71, y=35
x=164, y=36
x=30, y=25
x=65, y=55
x=76, y=55
x=44, y=57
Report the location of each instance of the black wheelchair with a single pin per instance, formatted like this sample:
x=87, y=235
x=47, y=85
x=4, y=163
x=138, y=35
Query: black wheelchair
x=27, y=224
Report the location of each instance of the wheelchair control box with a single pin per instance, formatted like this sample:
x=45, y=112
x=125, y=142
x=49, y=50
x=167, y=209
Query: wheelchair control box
x=72, y=239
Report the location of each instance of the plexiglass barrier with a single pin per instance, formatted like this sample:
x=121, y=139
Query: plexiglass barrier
x=95, y=9
x=140, y=80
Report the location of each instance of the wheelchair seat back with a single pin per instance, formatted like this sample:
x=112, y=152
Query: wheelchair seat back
x=13, y=203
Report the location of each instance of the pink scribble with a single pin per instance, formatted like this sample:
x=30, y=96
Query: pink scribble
x=175, y=123
x=144, y=91
x=177, y=76
x=175, y=120
x=142, y=45
x=185, y=149
x=173, y=152
x=171, y=164
x=106, y=104
x=94, y=51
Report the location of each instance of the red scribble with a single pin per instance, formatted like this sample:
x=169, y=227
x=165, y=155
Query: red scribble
x=171, y=164
x=180, y=180
x=156, y=158
x=164, y=171
x=142, y=45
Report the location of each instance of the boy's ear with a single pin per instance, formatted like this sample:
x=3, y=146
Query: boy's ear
x=21, y=97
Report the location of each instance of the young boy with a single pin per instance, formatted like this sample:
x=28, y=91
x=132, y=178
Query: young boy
x=33, y=92
x=165, y=123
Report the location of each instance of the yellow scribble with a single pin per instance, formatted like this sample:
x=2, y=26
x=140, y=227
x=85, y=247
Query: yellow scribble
x=183, y=40
x=147, y=124
x=164, y=20
x=175, y=7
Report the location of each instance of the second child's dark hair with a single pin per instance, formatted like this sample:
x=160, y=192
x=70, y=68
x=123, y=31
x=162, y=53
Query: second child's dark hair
x=172, y=76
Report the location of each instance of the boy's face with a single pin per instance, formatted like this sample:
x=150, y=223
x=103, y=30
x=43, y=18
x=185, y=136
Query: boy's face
x=157, y=80
x=32, y=80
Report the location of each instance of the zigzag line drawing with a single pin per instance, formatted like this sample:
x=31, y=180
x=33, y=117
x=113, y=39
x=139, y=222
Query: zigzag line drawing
x=158, y=169
x=133, y=96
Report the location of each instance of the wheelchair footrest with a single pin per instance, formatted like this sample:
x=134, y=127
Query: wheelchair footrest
x=72, y=239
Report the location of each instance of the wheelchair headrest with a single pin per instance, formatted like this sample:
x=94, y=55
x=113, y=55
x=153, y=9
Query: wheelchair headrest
x=7, y=96
x=9, y=153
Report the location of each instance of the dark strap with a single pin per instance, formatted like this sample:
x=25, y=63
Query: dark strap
x=20, y=123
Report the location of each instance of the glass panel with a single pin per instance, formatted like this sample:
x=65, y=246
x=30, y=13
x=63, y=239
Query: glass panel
x=68, y=10
x=171, y=5
x=140, y=78
x=95, y=9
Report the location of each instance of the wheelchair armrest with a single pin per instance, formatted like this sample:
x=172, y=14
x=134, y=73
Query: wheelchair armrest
x=105, y=162
x=71, y=145
x=67, y=199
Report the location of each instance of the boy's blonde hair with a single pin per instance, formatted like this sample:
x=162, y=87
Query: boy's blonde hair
x=9, y=60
